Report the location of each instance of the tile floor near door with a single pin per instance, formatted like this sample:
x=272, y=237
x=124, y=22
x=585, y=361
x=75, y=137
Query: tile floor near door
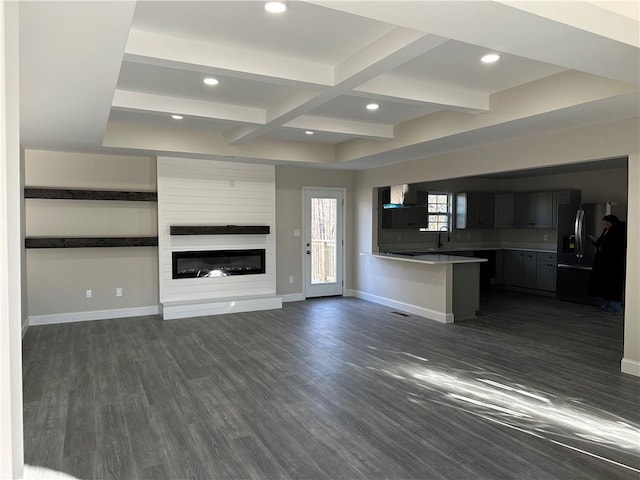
x=336, y=388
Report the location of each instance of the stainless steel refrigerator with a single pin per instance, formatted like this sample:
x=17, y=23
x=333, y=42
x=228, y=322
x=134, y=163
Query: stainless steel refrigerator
x=575, y=251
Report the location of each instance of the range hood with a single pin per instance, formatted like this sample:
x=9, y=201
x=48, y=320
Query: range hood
x=406, y=195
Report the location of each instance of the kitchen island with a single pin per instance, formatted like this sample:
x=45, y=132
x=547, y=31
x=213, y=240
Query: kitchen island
x=445, y=288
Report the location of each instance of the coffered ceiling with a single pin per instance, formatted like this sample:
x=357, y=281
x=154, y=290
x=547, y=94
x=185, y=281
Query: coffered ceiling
x=108, y=76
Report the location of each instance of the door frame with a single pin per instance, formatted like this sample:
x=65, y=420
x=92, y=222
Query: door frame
x=343, y=266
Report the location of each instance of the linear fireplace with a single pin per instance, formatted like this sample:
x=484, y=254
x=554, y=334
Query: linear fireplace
x=218, y=263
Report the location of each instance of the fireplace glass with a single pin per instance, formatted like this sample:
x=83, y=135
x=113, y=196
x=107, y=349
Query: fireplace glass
x=218, y=263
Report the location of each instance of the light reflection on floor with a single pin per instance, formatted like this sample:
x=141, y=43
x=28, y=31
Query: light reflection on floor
x=564, y=421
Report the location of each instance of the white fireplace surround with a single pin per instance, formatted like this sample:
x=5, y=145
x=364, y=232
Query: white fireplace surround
x=203, y=192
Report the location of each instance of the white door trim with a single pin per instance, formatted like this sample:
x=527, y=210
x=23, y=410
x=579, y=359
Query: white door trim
x=303, y=238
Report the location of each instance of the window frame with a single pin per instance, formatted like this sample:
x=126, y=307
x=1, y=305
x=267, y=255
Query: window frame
x=440, y=225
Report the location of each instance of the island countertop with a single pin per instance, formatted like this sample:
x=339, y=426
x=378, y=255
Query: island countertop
x=429, y=259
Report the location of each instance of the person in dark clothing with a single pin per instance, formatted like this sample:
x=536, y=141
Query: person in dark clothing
x=607, y=277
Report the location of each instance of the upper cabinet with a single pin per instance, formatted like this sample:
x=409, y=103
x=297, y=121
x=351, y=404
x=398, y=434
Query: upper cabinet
x=405, y=218
x=503, y=210
x=566, y=197
x=533, y=210
x=474, y=210
x=540, y=209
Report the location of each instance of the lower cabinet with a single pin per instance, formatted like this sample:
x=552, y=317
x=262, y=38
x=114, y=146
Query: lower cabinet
x=546, y=271
x=512, y=267
x=529, y=273
x=526, y=269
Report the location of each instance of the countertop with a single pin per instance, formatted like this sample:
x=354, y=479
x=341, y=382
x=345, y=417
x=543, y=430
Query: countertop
x=429, y=259
x=444, y=250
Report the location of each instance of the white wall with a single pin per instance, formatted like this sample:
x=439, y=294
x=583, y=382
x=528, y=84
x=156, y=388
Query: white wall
x=55, y=296
x=289, y=183
x=611, y=140
x=11, y=443
x=601, y=185
x=631, y=361
x=205, y=192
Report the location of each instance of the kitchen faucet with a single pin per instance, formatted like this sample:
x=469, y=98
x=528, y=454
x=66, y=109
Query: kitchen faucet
x=443, y=229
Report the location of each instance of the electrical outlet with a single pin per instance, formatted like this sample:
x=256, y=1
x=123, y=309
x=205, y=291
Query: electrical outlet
x=546, y=237
x=88, y=293
x=291, y=279
x=119, y=292
x=296, y=232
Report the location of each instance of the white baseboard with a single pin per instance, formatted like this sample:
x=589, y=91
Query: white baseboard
x=293, y=297
x=218, y=306
x=441, y=317
x=25, y=326
x=632, y=367
x=93, y=315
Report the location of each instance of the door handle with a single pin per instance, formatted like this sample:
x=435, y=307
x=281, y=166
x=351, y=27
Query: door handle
x=308, y=252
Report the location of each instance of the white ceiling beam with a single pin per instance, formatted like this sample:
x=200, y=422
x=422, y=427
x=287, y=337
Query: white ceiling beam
x=171, y=52
x=421, y=92
x=126, y=100
x=347, y=127
x=393, y=49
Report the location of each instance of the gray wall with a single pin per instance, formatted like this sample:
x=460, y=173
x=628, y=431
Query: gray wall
x=57, y=278
x=289, y=183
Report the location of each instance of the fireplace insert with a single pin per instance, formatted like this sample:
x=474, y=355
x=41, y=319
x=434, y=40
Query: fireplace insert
x=218, y=263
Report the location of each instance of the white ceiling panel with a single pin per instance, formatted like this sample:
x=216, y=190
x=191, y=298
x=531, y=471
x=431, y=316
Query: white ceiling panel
x=153, y=118
x=350, y=107
x=458, y=64
x=171, y=82
x=306, y=32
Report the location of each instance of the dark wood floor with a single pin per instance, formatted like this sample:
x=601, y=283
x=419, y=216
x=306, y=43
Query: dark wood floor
x=336, y=388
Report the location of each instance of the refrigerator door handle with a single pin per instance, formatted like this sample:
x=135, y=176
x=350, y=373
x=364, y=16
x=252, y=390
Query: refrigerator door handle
x=578, y=227
x=575, y=267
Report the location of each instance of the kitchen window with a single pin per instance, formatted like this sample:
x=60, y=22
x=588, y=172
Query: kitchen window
x=438, y=212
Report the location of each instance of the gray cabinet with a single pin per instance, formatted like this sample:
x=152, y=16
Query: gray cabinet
x=405, y=218
x=567, y=197
x=503, y=210
x=546, y=271
x=533, y=210
x=512, y=267
x=474, y=210
x=499, y=267
x=529, y=270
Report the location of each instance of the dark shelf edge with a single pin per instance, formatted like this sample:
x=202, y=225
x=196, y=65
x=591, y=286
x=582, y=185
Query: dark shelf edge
x=89, y=242
x=219, y=229
x=80, y=194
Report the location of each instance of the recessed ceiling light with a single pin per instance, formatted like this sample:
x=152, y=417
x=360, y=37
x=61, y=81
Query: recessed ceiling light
x=490, y=58
x=210, y=81
x=309, y=132
x=177, y=117
x=373, y=106
x=275, y=7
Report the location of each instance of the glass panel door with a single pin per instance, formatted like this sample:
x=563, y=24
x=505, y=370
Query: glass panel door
x=323, y=242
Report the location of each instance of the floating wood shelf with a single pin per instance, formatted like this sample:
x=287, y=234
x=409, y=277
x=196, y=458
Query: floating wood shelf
x=86, y=242
x=75, y=194
x=219, y=229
